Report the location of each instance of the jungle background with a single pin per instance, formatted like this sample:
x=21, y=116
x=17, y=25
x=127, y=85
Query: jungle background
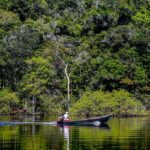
x=105, y=43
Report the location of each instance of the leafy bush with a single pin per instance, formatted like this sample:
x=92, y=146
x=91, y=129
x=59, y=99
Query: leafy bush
x=8, y=100
x=99, y=103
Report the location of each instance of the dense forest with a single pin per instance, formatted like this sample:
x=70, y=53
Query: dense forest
x=105, y=45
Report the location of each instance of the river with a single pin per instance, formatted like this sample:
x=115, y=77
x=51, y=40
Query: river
x=117, y=134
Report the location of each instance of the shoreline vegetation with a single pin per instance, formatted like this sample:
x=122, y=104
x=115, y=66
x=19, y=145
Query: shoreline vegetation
x=73, y=117
x=90, y=57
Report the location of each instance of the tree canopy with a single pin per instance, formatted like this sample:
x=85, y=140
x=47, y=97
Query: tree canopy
x=105, y=43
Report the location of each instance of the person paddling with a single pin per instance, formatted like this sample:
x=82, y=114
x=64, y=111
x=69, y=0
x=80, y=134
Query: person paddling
x=66, y=116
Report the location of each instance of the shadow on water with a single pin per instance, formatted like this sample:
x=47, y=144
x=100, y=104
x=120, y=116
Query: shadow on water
x=102, y=126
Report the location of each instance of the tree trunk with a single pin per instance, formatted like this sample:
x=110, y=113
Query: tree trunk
x=68, y=86
x=33, y=104
x=68, y=83
x=26, y=106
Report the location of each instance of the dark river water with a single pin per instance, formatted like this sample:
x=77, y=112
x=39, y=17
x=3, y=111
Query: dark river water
x=117, y=134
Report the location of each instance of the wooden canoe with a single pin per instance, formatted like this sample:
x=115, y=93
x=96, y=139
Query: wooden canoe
x=90, y=121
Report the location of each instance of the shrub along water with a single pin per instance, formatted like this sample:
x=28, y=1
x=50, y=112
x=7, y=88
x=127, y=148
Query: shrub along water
x=120, y=103
x=9, y=101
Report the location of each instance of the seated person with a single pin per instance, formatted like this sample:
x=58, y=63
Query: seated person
x=66, y=116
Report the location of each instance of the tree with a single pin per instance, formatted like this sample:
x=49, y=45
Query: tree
x=29, y=8
x=39, y=74
x=68, y=83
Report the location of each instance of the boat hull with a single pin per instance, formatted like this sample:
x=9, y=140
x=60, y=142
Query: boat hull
x=86, y=122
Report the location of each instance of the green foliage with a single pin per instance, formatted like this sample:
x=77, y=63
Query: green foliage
x=112, y=69
x=8, y=20
x=18, y=45
x=38, y=75
x=117, y=102
x=141, y=18
x=5, y=4
x=58, y=5
x=8, y=100
x=140, y=75
x=29, y=8
x=105, y=44
x=51, y=104
x=145, y=98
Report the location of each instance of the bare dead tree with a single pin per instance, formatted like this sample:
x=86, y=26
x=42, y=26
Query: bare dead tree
x=68, y=81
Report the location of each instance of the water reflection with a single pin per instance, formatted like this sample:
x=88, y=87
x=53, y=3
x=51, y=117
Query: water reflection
x=33, y=125
x=65, y=130
x=73, y=131
x=118, y=134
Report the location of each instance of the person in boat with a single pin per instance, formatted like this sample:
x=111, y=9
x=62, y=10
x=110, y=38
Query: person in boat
x=64, y=117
